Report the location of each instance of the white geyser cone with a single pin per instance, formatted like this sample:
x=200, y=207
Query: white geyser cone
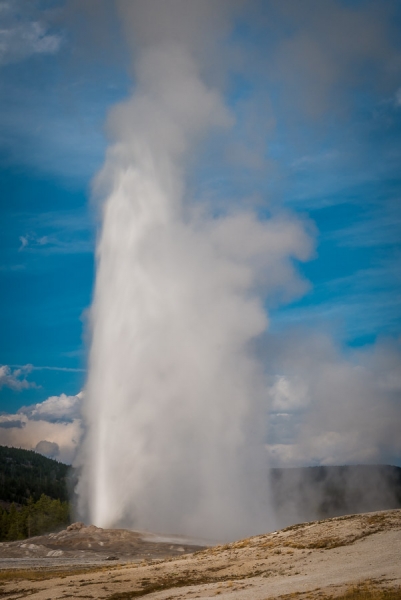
x=175, y=403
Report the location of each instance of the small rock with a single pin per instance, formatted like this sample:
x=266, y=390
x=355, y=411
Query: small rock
x=92, y=529
x=75, y=526
x=55, y=553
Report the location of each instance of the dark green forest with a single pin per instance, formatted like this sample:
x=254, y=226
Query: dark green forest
x=33, y=518
x=33, y=494
x=25, y=474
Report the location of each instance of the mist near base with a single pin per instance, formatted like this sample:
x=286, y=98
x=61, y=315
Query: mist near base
x=175, y=401
x=307, y=494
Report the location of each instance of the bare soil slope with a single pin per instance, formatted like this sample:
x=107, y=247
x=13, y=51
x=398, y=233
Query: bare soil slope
x=311, y=560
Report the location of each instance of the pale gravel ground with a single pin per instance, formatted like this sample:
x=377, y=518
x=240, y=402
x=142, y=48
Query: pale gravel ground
x=366, y=547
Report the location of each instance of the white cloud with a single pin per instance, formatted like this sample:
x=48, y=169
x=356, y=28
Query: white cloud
x=55, y=409
x=52, y=427
x=21, y=38
x=24, y=242
x=288, y=395
x=53, y=244
x=338, y=410
x=15, y=379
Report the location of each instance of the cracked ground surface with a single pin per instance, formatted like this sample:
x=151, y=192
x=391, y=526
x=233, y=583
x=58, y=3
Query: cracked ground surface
x=309, y=560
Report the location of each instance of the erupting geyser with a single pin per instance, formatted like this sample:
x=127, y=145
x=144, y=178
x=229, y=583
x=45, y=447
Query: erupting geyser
x=175, y=402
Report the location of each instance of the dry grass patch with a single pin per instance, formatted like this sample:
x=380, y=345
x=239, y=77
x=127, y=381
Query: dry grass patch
x=365, y=591
x=369, y=592
x=172, y=581
x=376, y=519
x=44, y=574
x=360, y=594
x=25, y=592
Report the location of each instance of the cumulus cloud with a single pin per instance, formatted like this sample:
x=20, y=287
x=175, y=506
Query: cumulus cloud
x=52, y=428
x=288, y=395
x=15, y=379
x=328, y=408
x=20, y=37
x=12, y=423
x=55, y=409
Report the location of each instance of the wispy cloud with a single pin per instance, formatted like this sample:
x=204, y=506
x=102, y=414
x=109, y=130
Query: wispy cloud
x=376, y=229
x=20, y=37
x=32, y=241
x=306, y=161
x=52, y=368
x=11, y=268
x=354, y=315
x=24, y=242
x=38, y=132
x=58, y=232
x=51, y=244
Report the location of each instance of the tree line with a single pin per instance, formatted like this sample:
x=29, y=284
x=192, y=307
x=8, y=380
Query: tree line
x=34, y=518
x=33, y=494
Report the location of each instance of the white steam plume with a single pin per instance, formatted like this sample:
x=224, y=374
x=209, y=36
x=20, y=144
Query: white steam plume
x=175, y=403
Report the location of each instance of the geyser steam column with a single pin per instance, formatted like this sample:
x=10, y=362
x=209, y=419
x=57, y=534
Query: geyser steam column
x=174, y=402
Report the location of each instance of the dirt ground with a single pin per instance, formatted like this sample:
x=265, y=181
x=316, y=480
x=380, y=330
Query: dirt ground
x=308, y=560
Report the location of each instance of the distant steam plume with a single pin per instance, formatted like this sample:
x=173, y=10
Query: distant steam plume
x=175, y=403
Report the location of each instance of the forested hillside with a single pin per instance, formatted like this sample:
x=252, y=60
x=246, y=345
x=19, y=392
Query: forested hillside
x=25, y=474
x=33, y=494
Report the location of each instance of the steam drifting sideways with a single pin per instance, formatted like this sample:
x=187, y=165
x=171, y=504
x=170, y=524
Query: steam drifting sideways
x=175, y=403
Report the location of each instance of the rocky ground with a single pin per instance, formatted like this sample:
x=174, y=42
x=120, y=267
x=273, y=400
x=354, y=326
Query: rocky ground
x=89, y=544
x=311, y=560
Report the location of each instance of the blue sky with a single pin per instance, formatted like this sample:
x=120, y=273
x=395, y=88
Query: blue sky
x=317, y=131
x=52, y=142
